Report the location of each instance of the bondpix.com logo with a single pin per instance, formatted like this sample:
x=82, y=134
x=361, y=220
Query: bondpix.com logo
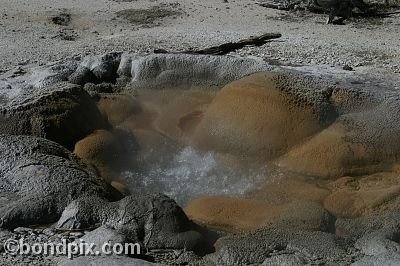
x=77, y=248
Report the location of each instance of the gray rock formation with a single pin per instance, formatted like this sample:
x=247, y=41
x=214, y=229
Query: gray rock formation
x=391, y=259
x=385, y=222
x=152, y=219
x=284, y=260
x=38, y=179
x=185, y=71
x=153, y=71
x=256, y=247
x=104, y=234
x=105, y=261
x=63, y=112
x=377, y=237
x=378, y=243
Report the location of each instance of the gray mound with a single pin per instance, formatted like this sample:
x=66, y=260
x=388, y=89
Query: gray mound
x=39, y=178
x=377, y=236
x=104, y=234
x=385, y=259
x=189, y=70
x=256, y=247
x=154, y=220
x=153, y=71
x=358, y=227
x=63, y=112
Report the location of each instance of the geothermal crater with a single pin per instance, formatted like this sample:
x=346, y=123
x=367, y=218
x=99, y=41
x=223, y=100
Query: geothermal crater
x=244, y=148
x=239, y=145
x=167, y=159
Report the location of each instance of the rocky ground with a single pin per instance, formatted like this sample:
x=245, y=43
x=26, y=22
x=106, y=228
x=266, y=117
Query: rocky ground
x=331, y=128
x=31, y=35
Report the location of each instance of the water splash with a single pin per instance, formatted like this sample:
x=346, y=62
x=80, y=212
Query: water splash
x=189, y=174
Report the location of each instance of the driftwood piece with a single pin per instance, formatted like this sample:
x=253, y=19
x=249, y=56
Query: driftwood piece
x=228, y=47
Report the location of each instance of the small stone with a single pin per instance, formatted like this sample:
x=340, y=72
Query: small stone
x=22, y=230
x=76, y=234
x=49, y=232
x=347, y=67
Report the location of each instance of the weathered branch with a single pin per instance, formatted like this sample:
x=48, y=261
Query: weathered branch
x=229, y=47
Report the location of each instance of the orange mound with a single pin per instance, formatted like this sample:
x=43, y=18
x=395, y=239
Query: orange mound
x=290, y=189
x=232, y=214
x=108, y=151
x=239, y=214
x=255, y=116
x=332, y=154
x=352, y=197
x=118, y=107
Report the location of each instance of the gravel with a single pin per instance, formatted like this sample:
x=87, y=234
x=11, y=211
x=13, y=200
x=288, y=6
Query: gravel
x=30, y=36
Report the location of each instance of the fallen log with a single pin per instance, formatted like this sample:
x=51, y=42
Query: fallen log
x=228, y=47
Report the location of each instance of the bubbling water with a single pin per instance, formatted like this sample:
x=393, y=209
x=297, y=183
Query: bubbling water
x=189, y=174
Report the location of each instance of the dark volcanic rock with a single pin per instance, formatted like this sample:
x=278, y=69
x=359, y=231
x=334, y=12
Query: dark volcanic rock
x=152, y=219
x=40, y=178
x=82, y=75
x=103, y=68
x=63, y=19
x=63, y=113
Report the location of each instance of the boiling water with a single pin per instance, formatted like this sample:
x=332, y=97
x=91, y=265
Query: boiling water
x=188, y=174
x=175, y=169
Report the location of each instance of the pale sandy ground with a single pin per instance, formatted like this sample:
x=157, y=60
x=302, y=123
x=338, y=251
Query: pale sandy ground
x=28, y=37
